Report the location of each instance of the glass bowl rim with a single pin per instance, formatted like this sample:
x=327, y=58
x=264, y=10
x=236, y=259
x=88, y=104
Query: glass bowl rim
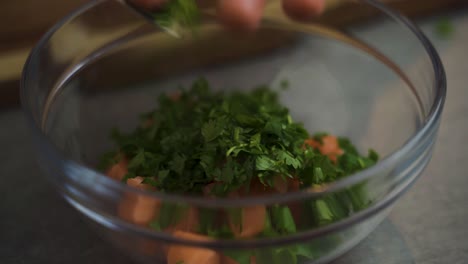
x=429, y=124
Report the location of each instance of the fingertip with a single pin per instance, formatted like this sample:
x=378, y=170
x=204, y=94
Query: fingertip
x=303, y=9
x=241, y=14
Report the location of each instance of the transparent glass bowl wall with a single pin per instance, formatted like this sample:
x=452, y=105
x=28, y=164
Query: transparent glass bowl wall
x=103, y=65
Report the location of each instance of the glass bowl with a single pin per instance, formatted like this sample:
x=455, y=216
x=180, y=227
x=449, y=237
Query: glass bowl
x=104, y=64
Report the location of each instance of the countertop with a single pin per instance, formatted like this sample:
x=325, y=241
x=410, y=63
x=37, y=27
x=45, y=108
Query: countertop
x=428, y=225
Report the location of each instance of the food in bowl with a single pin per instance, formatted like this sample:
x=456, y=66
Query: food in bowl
x=200, y=142
x=70, y=105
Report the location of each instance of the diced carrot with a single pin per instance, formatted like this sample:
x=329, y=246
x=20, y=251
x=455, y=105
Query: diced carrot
x=313, y=143
x=188, y=222
x=256, y=188
x=208, y=188
x=137, y=182
x=329, y=146
x=252, y=218
x=252, y=221
x=283, y=185
x=253, y=260
x=118, y=170
x=150, y=248
x=191, y=255
x=219, y=216
x=175, y=96
x=294, y=185
x=227, y=260
x=147, y=123
x=280, y=184
x=295, y=207
x=136, y=208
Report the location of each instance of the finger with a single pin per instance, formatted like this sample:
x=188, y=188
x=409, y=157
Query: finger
x=303, y=9
x=241, y=14
x=148, y=4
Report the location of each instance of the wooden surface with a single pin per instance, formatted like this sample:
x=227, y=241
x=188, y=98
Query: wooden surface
x=24, y=21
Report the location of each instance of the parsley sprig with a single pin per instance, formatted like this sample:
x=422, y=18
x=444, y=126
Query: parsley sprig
x=177, y=15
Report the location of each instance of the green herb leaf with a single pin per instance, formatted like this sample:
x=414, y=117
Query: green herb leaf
x=178, y=14
x=265, y=163
x=283, y=219
x=444, y=28
x=240, y=256
x=323, y=212
x=307, y=251
x=177, y=164
x=211, y=131
x=288, y=158
x=151, y=181
x=170, y=214
x=162, y=175
x=284, y=84
x=137, y=160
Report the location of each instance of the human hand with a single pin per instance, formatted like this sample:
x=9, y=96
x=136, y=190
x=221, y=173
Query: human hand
x=246, y=14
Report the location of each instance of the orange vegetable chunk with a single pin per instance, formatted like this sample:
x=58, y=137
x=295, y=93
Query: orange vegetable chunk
x=137, y=208
x=191, y=255
x=118, y=170
x=252, y=221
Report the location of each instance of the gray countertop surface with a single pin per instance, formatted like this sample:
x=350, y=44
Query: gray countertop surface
x=428, y=225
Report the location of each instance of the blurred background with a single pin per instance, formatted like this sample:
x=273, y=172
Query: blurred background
x=24, y=21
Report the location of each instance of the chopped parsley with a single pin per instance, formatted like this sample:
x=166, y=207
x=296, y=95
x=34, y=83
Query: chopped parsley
x=177, y=15
x=208, y=137
x=444, y=28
